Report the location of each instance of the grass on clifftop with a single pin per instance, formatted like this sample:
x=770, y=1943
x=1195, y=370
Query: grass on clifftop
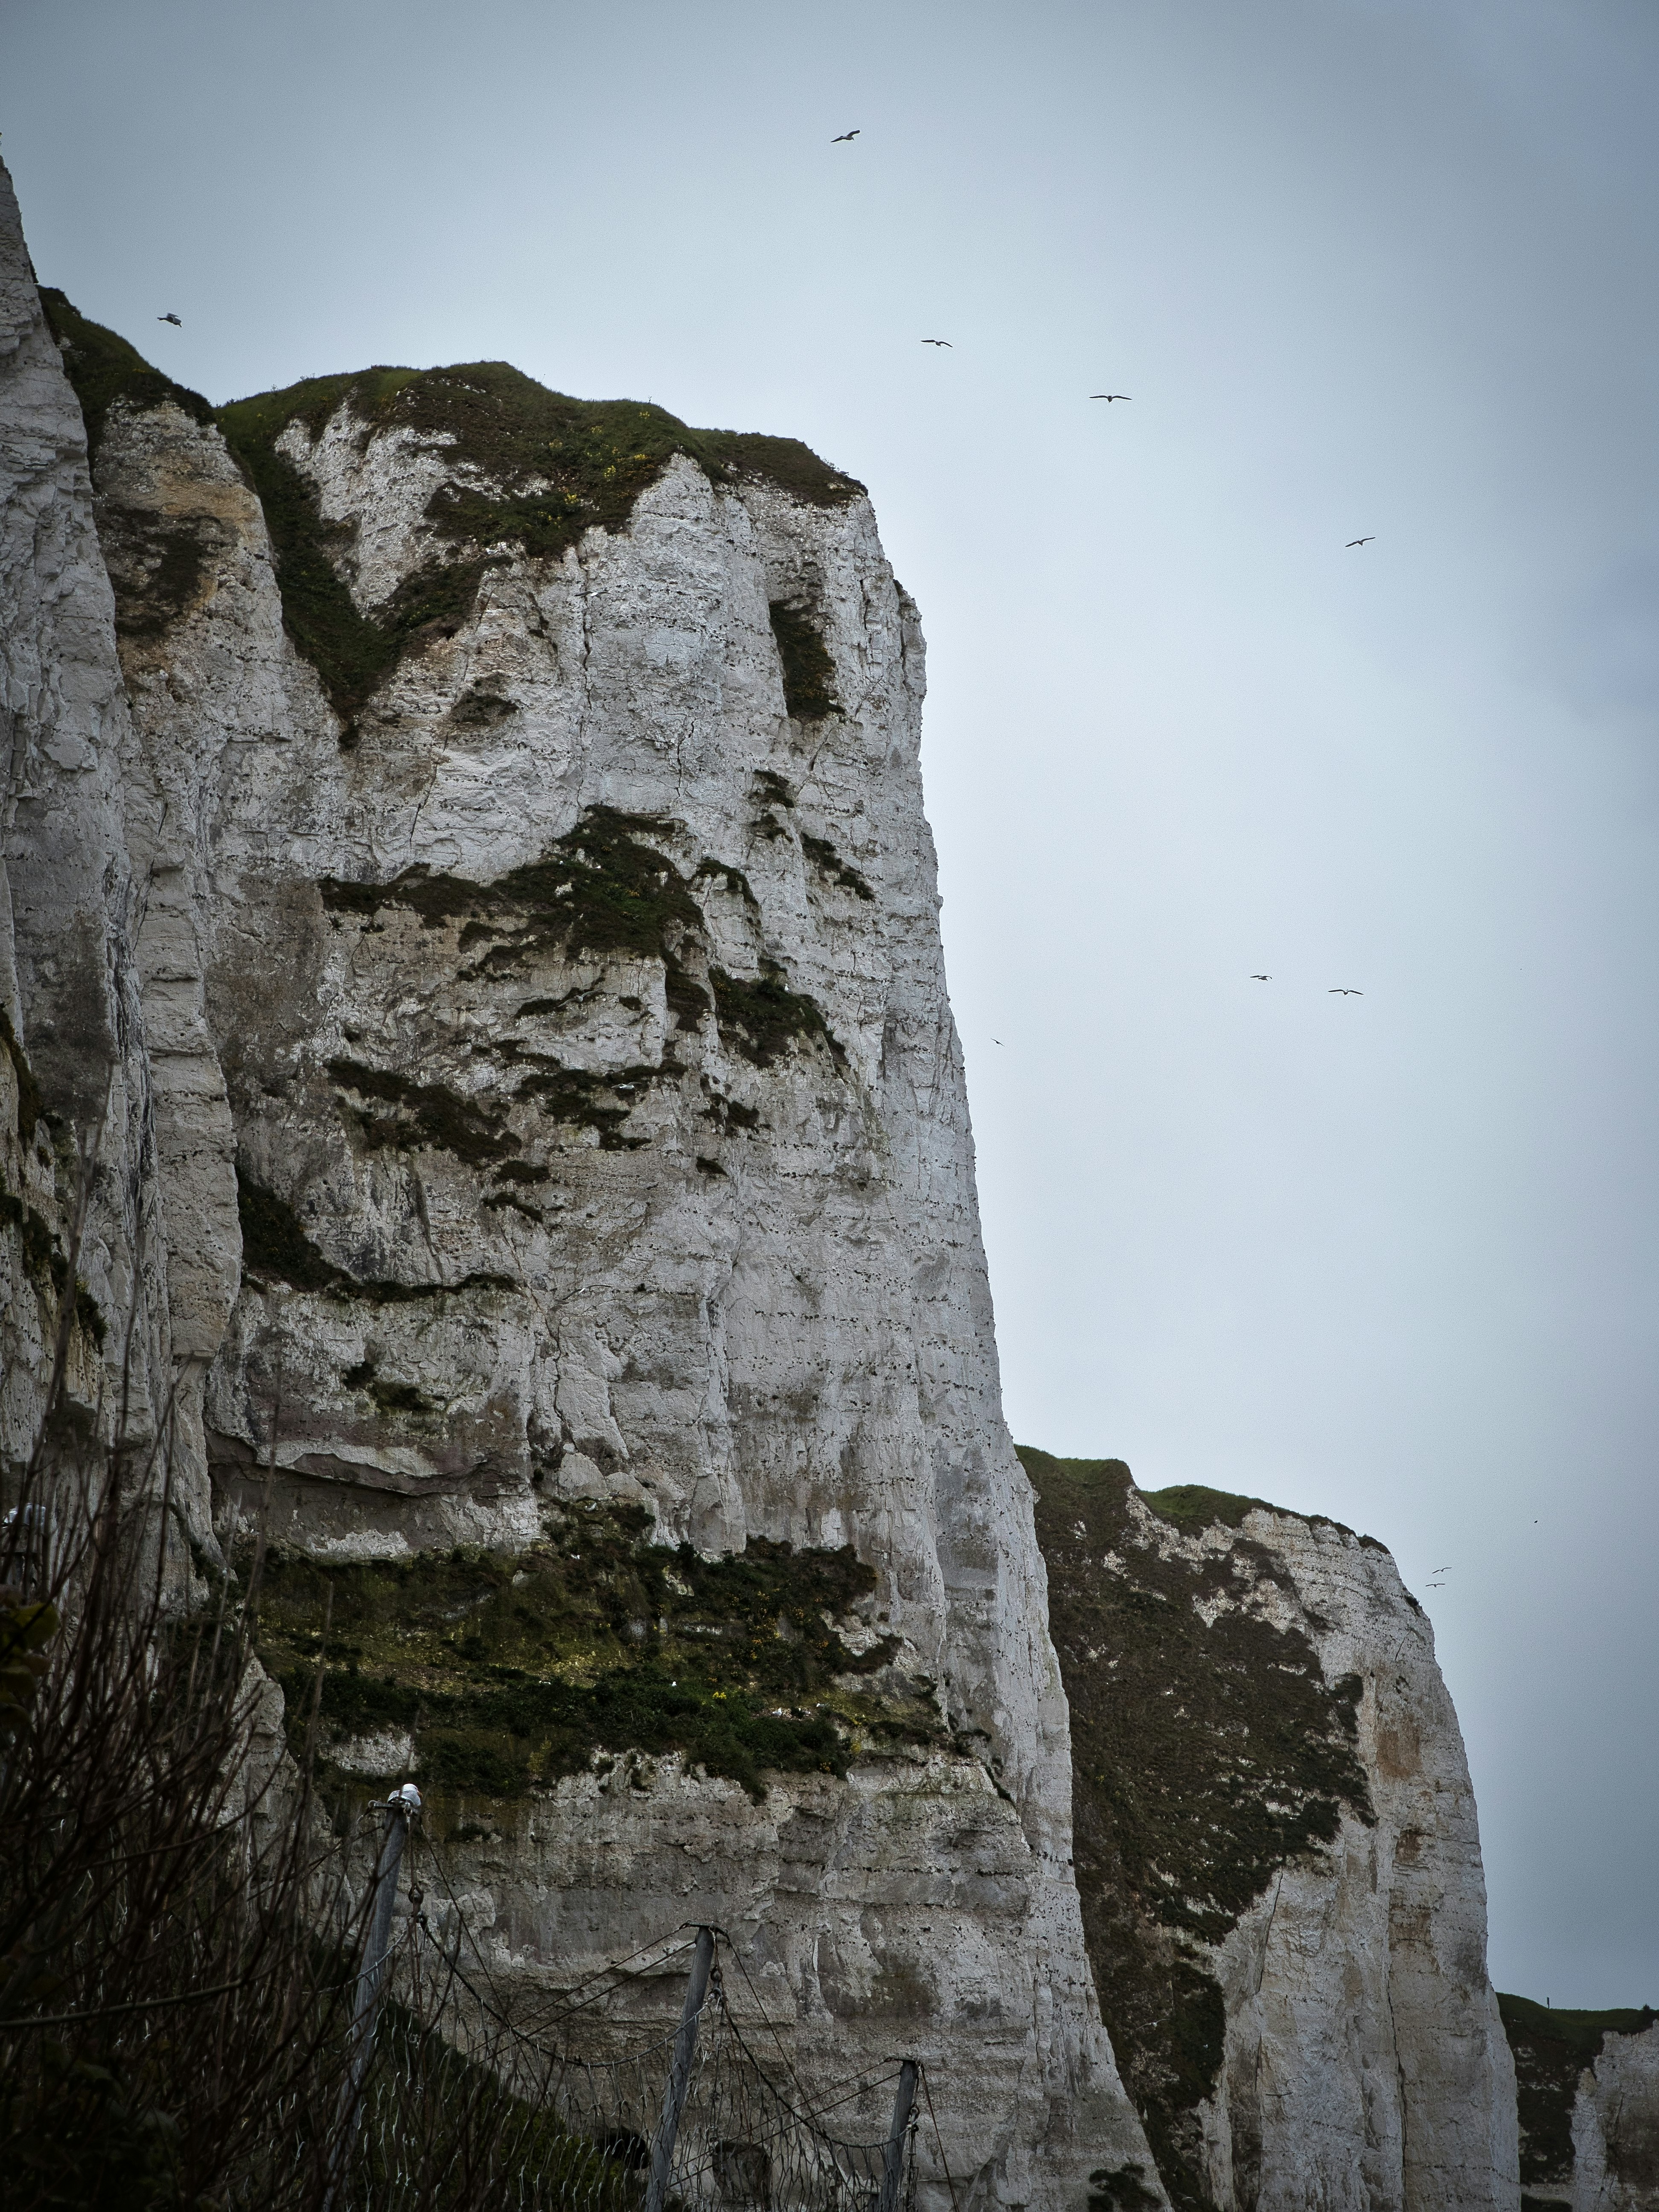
x=1551, y=2048
x=103, y=368
x=511, y=1671
x=1204, y=1759
x=528, y=468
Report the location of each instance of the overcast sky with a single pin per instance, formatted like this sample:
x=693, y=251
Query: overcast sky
x=1366, y=267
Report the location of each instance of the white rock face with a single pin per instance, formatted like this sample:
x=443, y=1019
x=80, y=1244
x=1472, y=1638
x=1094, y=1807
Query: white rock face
x=76, y=1110
x=1615, y=2128
x=1359, y=2009
x=1356, y=2057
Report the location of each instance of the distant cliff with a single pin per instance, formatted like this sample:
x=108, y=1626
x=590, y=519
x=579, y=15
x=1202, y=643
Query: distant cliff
x=1588, y=2092
x=1276, y=1851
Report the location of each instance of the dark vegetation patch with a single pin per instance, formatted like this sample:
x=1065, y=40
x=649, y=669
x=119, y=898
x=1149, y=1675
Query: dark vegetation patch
x=601, y=890
x=102, y=367
x=809, y=673
x=764, y=1018
x=1121, y=2189
x=29, y=1106
x=1204, y=1759
x=1190, y=1506
x=771, y=790
x=512, y=1670
x=481, y=708
x=530, y=468
x=825, y=857
x=277, y=1250
x=734, y=878
x=1551, y=2049
x=583, y=1100
x=423, y=1115
x=46, y=1264
x=155, y=563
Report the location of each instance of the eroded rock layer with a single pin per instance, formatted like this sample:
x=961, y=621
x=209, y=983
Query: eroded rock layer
x=1277, y=1852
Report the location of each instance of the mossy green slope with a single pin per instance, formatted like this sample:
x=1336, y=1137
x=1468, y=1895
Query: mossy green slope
x=511, y=1671
x=1204, y=1758
x=1551, y=2048
x=103, y=368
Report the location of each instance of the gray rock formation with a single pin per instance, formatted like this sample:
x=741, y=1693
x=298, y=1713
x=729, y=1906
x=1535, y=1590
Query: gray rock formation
x=1589, y=2091
x=1277, y=1852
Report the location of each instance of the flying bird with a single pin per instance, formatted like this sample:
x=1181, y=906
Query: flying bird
x=1352, y=542
x=1342, y=991
x=1110, y=396
x=997, y=1041
x=845, y=139
x=1262, y=979
x=173, y=319
x=944, y=341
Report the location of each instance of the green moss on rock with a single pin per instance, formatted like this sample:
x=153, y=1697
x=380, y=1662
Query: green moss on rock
x=602, y=890
x=423, y=1115
x=510, y=1671
x=1205, y=1758
x=29, y=1107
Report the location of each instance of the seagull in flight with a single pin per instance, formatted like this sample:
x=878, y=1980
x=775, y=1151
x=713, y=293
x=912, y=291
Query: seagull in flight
x=997, y=1041
x=1109, y=395
x=1342, y=991
x=173, y=319
x=944, y=341
x=1352, y=542
x=1262, y=979
x=845, y=139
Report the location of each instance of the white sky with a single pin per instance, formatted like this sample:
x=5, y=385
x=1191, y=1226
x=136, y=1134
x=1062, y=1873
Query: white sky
x=1365, y=266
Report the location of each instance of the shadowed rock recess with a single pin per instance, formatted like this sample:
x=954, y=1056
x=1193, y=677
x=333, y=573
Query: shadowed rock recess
x=473, y=840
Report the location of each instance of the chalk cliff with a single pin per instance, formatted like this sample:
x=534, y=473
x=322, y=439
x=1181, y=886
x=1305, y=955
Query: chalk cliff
x=1277, y=1852
x=474, y=840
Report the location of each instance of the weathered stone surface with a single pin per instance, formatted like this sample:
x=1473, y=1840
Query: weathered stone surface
x=79, y=1204
x=1277, y=1851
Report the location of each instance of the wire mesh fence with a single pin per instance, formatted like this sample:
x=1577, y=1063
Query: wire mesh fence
x=471, y=2096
